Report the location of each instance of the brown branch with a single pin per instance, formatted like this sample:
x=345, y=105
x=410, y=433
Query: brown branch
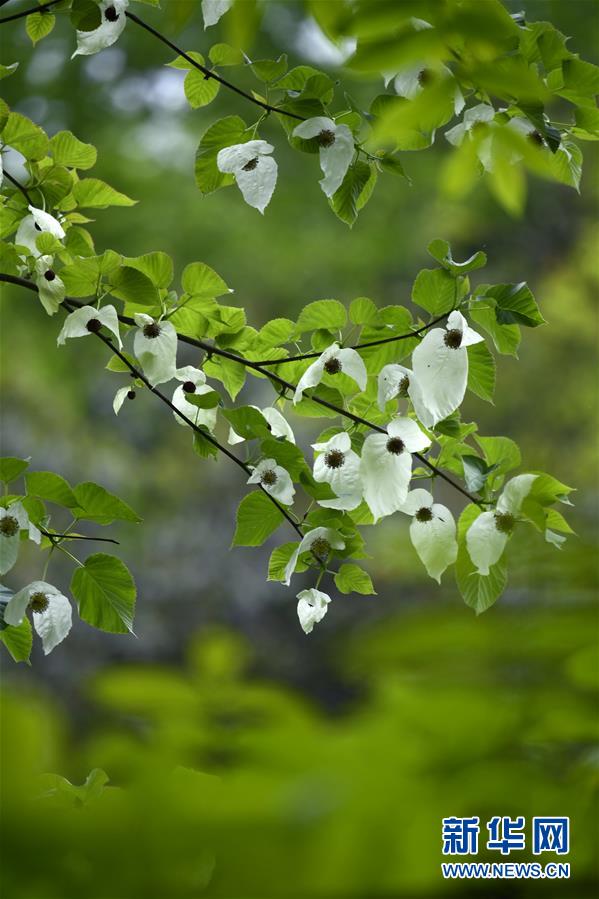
x=18, y=185
x=256, y=366
x=51, y=536
x=27, y=12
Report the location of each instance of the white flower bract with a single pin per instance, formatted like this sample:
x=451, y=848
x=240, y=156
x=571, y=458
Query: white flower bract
x=440, y=364
x=311, y=608
x=386, y=465
x=213, y=10
x=76, y=324
x=51, y=289
x=488, y=534
x=279, y=426
x=254, y=169
x=320, y=536
x=108, y=31
x=52, y=623
x=15, y=515
x=37, y=222
x=155, y=346
x=336, y=149
x=334, y=361
x=391, y=381
x=195, y=376
x=275, y=480
x=432, y=532
x=338, y=465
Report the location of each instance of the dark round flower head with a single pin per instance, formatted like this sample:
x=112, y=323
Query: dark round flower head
x=9, y=526
x=536, y=138
x=111, y=14
x=334, y=459
x=404, y=385
x=151, y=330
x=424, y=514
x=321, y=548
x=49, y=275
x=269, y=478
x=326, y=138
x=37, y=227
x=504, y=522
x=94, y=325
x=395, y=445
x=189, y=387
x=251, y=165
x=332, y=366
x=38, y=602
x=425, y=76
x=453, y=338
x=131, y=395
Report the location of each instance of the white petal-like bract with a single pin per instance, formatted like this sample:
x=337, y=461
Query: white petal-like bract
x=328, y=535
x=275, y=480
x=336, y=149
x=113, y=21
x=76, y=324
x=155, y=346
x=213, y=10
x=311, y=608
x=52, y=623
x=485, y=542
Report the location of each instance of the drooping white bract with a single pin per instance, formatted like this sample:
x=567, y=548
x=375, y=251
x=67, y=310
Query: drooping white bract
x=254, y=169
x=213, y=10
x=52, y=612
x=194, y=383
x=336, y=151
x=311, y=608
x=320, y=541
x=155, y=346
x=50, y=287
x=13, y=520
x=274, y=479
x=488, y=534
x=120, y=397
x=113, y=21
x=440, y=363
x=338, y=465
x=386, y=465
x=412, y=80
x=396, y=380
x=432, y=532
x=333, y=361
x=279, y=426
x=35, y=224
x=89, y=320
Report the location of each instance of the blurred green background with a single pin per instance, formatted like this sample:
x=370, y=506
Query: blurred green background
x=245, y=759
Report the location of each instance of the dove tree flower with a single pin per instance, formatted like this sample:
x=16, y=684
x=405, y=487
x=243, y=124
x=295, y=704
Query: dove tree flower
x=279, y=426
x=332, y=362
x=50, y=287
x=37, y=222
x=440, y=364
x=255, y=171
x=336, y=149
x=312, y=606
x=386, y=465
x=122, y=394
x=338, y=465
x=320, y=542
x=275, y=480
x=52, y=613
x=432, y=532
x=214, y=10
x=13, y=520
x=89, y=320
x=155, y=346
x=412, y=80
x=194, y=383
x=488, y=534
x=113, y=21
x=398, y=381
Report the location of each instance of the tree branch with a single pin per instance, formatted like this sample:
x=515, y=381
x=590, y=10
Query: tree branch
x=26, y=12
x=217, y=351
x=51, y=536
x=18, y=185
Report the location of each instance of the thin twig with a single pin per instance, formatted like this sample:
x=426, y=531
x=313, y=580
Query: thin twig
x=26, y=12
x=51, y=536
x=19, y=186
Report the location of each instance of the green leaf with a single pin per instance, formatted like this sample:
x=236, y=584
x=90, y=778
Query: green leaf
x=52, y=487
x=279, y=559
x=248, y=422
x=506, y=338
x=18, y=639
x=21, y=134
x=97, y=504
x=352, y=579
x=202, y=445
x=257, y=519
x=500, y=451
x=223, y=133
x=7, y=71
x=286, y=454
x=200, y=90
x=157, y=266
x=393, y=166
x=12, y=468
x=39, y=25
x=80, y=278
x=514, y=304
x=441, y=251
x=105, y=592
x=231, y=374
x=354, y=192
x=199, y=280
x=132, y=286
x=481, y=371
x=95, y=194
x=476, y=472
x=363, y=311
x=68, y=150
x=329, y=314
x=435, y=290
x=275, y=332
x=547, y=490
x=270, y=69
x=225, y=55
x=204, y=400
